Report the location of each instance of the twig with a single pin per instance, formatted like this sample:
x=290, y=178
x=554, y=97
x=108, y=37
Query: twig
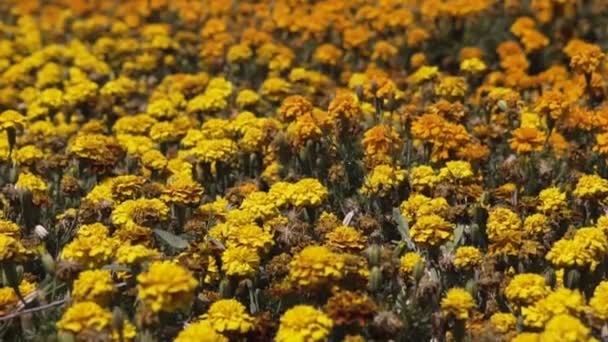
x=39, y=308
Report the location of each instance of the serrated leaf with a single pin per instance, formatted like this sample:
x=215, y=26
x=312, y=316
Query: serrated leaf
x=172, y=239
x=403, y=228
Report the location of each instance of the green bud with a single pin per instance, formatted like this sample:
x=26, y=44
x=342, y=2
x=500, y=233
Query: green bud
x=418, y=271
x=226, y=288
x=471, y=287
x=65, y=336
x=373, y=255
x=502, y=104
x=375, y=279
x=550, y=277
x=572, y=279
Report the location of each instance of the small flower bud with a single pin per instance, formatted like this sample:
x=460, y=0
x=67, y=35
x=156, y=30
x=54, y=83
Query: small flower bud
x=48, y=263
x=375, y=279
x=373, y=255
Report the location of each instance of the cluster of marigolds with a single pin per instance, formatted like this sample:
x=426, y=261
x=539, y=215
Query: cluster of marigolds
x=298, y=170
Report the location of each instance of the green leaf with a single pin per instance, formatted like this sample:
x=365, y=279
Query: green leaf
x=171, y=239
x=403, y=228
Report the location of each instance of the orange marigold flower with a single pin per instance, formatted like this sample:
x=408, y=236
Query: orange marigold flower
x=527, y=139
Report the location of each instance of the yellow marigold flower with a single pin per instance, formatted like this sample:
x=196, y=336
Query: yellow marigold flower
x=527, y=139
x=229, y=316
x=201, y=331
x=344, y=239
x=456, y=171
x=451, y=86
x=142, y=211
x=240, y=261
x=11, y=119
x=135, y=145
x=182, y=190
x=382, y=180
x=327, y=54
x=467, y=257
x=28, y=155
x=424, y=73
x=503, y=322
x=344, y=107
x=561, y=301
x=260, y=204
x=302, y=130
x=458, y=303
x=164, y=131
x=526, y=289
x=215, y=150
x=119, y=88
x=552, y=200
x=381, y=141
x=315, y=266
x=586, y=58
x=11, y=249
x=304, y=323
x=85, y=316
x=239, y=53
x=536, y=225
x=585, y=249
x=408, y=263
x=418, y=205
x=94, y=286
x=552, y=103
x=10, y=228
x=473, y=65
x=90, y=251
x=166, y=286
x=154, y=160
x=250, y=236
x=274, y=88
x=135, y=254
x=97, y=148
x=599, y=301
x=162, y=109
x=307, y=192
x=565, y=328
x=423, y=177
x=212, y=100
x=431, y=230
x=293, y=107
x=503, y=224
x=30, y=182
x=9, y=299
x=591, y=186
x=247, y=97
x=97, y=229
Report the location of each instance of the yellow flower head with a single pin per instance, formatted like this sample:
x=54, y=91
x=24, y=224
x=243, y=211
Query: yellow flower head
x=431, y=230
x=565, y=328
x=503, y=322
x=201, y=331
x=526, y=288
x=315, y=266
x=94, y=286
x=307, y=192
x=346, y=239
x=552, y=200
x=85, y=316
x=240, y=261
x=591, y=186
x=467, y=257
x=408, y=263
x=229, y=316
x=166, y=286
x=382, y=180
x=599, y=301
x=458, y=303
x=304, y=323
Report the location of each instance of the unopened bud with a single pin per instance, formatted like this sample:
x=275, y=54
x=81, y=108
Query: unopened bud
x=48, y=263
x=418, y=270
x=375, y=279
x=374, y=255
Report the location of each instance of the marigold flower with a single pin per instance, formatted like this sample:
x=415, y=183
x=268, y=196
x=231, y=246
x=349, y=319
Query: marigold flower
x=408, y=263
x=467, y=257
x=552, y=200
x=565, y=328
x=344, y=239
x=94, y=286
x=90, y=251
x=201, y=331
x=599, y=301
x=9, y=298
x=456, y=171
x=503, y=322
x=423, y=177
x=586, y=58
x=527, y=139
x=135, y=254
x=526, y=289
x=307, y=192
x=382, y=180
x=229, y=316
x=451, y=86
x=315, y=266
x=473, y=65
x=30, y=182
x=431, y=230
x=85, y=316
x=305, y=323
x=591, y=186
x=458, y=303
x=240, y=261
x=166, y=286
x=561, y=301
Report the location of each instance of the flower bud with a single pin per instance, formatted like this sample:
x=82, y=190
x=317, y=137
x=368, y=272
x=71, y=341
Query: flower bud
x=375, y=279
x=418, y=271
x=226, y=288
x=373, y=255
x=48, y=263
